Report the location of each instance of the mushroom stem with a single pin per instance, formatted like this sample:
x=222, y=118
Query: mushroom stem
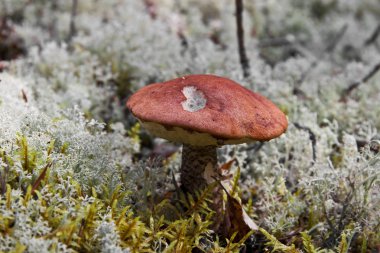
x=198, y=170
x=198, y=167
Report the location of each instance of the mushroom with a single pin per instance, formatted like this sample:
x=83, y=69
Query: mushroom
x=204, y=112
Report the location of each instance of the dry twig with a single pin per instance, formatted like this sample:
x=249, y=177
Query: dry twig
x=73, y=29
x=346, y=92
x=312, y=138
x=240, y=36
x=373, y=36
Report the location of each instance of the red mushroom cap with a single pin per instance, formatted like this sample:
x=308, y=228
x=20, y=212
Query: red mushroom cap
x=206, y=110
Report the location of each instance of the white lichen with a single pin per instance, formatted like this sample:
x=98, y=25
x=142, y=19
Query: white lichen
x=195, y=99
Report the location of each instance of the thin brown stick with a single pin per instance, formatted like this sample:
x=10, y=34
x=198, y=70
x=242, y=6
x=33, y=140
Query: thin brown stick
x=312, y=138
x=240, y=36
x=331, y=47
x=373, y=36
x=24, y=96
x=73, y=29
x=347, y=92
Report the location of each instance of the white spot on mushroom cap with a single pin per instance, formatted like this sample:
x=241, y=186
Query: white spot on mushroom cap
x=195, y=99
